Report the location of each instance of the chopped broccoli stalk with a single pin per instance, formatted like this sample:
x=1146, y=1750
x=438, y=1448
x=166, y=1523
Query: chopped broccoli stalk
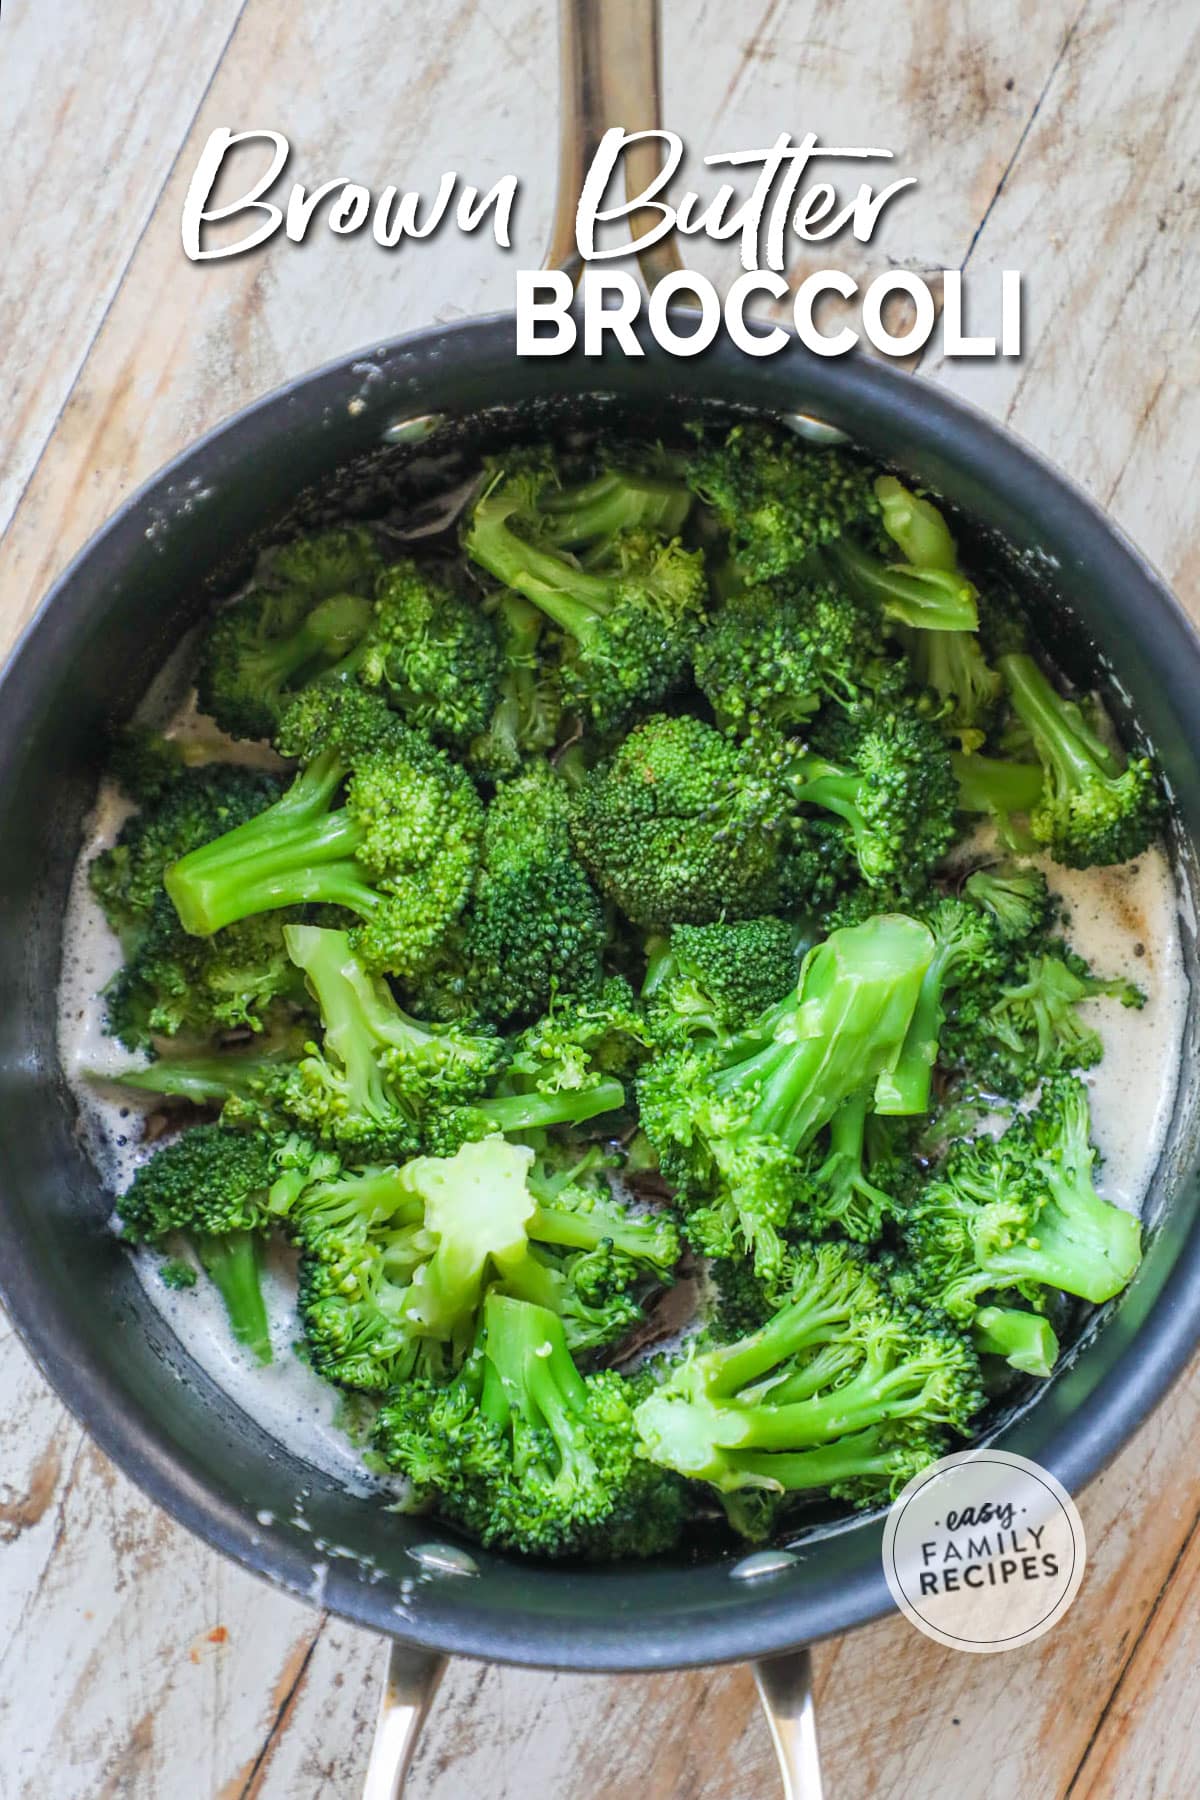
x=838, y=1367
x=400, y=851
x=728, y=1121
x=967, y=948
x=922, y=599
x=1026, y=1340
x=988, y=784
x=616, y=500
x=1093, y=809
x=915, y=525
x=232, y=1262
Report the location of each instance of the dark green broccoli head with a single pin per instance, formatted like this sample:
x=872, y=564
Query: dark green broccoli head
x=431, y=651
x=713, y=980
x=208, y=1181
x=674, y=829
x=778, y=500
x=190, y=809
x=775, y=655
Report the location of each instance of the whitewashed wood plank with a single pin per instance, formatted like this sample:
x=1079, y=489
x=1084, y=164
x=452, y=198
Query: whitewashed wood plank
x=94, y=108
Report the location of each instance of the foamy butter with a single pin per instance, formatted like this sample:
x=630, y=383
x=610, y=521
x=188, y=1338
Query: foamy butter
x=1125, y=921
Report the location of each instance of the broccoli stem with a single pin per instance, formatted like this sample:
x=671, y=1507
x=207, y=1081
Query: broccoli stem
x=232, y=1263
x=916, y=526
x=612, y=502
x=329, y=634
x=870, y=1453
x=925, y=599
x=1081, y=1243
x=204, y=1080
x=534, y=1112
x=986, y=784
x=1025, y=1340
x=1067, y=744
x=553, y=582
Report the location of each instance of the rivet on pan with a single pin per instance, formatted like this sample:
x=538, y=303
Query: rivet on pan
x=817, y=431
x=415, y=430
x=443, y=1559
x=762, y=1562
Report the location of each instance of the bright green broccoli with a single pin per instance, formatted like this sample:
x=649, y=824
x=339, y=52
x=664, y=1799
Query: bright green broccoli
x=711, y=981
x=680, y=827
x=525, y=718
x=1026, y=1340
x=858, y=1176
x=528, y=1454
x=399, y=850
x=308, y=611
x=627, y=619
x=534, y=924
x=431, y=652
x=841, y=1389
x=1022, y=1212
x=728, y=1122
x=1017, y=899
x=211, y=1186
x=1095, y=807
x=968, y=950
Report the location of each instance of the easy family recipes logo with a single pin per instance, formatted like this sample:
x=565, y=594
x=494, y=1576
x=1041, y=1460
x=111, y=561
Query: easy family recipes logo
x=801, y=193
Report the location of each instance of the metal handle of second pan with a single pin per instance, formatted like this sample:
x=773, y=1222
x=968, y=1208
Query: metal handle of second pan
x=610, y=74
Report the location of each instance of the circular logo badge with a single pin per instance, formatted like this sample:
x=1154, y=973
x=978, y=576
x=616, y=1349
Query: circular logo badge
x=984, y=1551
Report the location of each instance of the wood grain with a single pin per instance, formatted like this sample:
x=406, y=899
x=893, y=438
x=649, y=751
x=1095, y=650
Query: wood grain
x=1058, y=138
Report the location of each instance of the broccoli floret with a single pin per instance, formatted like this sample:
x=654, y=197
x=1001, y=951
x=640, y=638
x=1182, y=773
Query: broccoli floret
x=1094, y=808
x=858, y=1178
x=534, y=924
x=778, y=500
x=528, y=1454
x=1013, y=1029
x=681, y=826
x=308, y=611
x=239, y=979
x=887, y=774
x=578, y=516
x=968, y=949
x=399, y=851
x=528, y=708
x=188, y=810
x=713, y=980
x=211, y=1185
x=1022, y=1212
x=1017, y=899
x=728, y=1122
x=628, y=618
x=144, y=763
x=841, y=1389
x=379, y=1074
x=432, y=653
x=775, y=655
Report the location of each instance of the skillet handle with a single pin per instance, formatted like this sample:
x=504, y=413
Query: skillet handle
x=785, y=1688
x=409, y=1686
x=610, y=66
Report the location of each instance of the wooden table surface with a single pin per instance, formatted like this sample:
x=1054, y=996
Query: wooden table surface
x=1054, y=136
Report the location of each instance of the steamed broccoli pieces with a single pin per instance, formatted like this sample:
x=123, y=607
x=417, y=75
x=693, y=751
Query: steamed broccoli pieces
x=211, y=1186
x=1022, y=1212
x=626, y=609
x=728, y=1122
x=711, y=981
x=528, y=1454
x=172, y=985
x=431, y=652
x=1096, y=807
x=534, y=924
x=378, y=821
x=841, y=1389
x=307, y=612
x=525, y=717
x=774, y=655
x=779, y=501
x=678, y=827
x=397, y=1259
